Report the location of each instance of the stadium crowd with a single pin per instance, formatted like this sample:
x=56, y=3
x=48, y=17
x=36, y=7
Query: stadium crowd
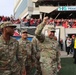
x=67, y=23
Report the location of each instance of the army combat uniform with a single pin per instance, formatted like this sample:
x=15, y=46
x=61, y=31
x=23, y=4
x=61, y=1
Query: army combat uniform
x=36, y=55
x=49, y=52
x=11, y=59
x=9, y=64
x=26, y=50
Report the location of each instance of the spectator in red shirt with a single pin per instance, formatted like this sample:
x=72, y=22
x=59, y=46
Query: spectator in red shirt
x=74, y=25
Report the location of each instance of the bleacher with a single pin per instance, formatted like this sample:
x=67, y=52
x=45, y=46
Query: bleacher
x=32, y=23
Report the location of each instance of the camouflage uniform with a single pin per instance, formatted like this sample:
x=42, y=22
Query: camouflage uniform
x=10, y=56
x=49, y=52
x=36, y=55
x=9, y=64
x=26, y=49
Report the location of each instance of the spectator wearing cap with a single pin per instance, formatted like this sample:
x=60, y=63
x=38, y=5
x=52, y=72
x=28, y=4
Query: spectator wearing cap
x=49, y=50
x=74, y=24
x=10, y=55
x=26, y=50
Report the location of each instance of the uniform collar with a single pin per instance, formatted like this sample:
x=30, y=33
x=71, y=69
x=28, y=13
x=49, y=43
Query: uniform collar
x=4, y=42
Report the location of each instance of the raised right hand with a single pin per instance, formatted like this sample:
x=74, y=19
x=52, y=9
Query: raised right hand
x=45, y=19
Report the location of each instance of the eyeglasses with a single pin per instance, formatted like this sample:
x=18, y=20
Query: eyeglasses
x=11, y=27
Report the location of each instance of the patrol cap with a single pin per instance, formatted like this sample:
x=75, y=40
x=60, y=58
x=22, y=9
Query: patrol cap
x=24, y=30
x=51, y=29
x=7, y=24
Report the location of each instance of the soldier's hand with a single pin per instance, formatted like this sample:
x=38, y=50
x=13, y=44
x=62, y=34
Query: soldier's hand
x=45, y=19
x=59, y=67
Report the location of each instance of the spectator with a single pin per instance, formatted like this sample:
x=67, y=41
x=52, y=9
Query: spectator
x=74, y=24
x=68, y=44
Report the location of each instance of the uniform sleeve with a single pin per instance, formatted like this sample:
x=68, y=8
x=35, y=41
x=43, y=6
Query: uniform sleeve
x=22, y=53
x=20, y=56
x=34, y=43
x=29, y=48
x=58, y=54
x=38, y=31
x=34, y=51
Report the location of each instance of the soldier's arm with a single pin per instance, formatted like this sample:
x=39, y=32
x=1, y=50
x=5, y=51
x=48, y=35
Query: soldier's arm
x=34, y=43
x=20, y=58
x=58, y=57
x=40, y=28
x=20, y=55
x=29, y=50
x=35, y=48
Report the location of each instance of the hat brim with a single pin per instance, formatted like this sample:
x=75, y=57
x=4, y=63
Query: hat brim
x=12, y=26
x=52, y=31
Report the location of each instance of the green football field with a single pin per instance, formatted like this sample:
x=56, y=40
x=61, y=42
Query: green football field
x=68, y=67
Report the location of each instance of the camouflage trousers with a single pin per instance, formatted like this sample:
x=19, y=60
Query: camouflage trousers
x=8, y=72
x=48, y=70
x=39, y=69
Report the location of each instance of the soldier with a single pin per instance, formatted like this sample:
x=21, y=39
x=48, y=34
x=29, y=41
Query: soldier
x=26, y=48
x=10, y=56
x=49, y=50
